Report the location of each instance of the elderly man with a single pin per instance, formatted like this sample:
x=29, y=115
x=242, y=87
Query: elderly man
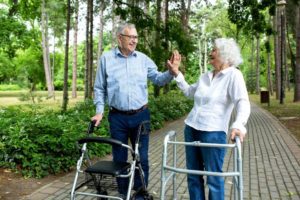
x=121, y=81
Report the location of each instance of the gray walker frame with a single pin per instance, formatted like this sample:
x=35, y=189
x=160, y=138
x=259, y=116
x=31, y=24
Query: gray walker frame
x=168, y=172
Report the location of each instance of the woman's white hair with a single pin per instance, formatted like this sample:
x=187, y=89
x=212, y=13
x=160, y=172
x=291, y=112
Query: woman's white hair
x=229, y=51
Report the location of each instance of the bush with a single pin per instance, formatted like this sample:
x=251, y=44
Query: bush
x=39, y=143
x=42, y=143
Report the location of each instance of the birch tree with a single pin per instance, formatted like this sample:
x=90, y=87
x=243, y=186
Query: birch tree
x=45, y=47
x=74, y=67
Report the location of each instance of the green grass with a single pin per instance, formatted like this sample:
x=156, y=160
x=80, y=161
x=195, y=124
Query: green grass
x=288, y=112
x=288, y=109
x=22, y=97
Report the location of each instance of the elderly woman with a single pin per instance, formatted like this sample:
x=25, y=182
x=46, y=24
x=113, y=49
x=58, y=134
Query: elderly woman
x=215, y=95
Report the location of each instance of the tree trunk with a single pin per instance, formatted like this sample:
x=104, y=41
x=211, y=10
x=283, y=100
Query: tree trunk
x=257, y=64
x=297, y=70
x=115, y=21
x=157, y=41
x=200, y=52
x=65, y=93
x=74, y=70
x=87, y=53
x=45, y=47
x=284, y=35
x=185, y=12
x=166, y=47
x=101, y=26
x=269, y=75
x=53, y=65
x=277, y=52
x=91, y=64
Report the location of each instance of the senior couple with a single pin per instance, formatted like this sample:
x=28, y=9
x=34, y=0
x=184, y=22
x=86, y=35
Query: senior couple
x=121, y=82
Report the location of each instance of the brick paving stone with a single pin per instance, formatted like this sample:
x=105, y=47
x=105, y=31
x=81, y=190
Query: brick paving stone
x=271, y=169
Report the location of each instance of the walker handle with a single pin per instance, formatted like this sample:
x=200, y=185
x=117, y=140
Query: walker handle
x=91, y=127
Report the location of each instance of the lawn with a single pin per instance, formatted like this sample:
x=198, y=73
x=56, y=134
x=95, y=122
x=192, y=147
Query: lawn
x=22, y=97
x=288, y=113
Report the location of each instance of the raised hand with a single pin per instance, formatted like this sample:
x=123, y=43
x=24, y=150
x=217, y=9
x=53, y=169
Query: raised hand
x=174, y=62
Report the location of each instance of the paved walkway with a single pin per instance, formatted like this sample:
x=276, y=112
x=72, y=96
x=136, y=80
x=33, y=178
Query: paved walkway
x=271, y=163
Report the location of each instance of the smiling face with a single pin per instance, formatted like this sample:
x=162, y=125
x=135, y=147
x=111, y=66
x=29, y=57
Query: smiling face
x=215, y=59
x=128, y=41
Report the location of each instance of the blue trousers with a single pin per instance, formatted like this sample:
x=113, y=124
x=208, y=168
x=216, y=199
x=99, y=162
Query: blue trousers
x=123, y=128
x=205, y=158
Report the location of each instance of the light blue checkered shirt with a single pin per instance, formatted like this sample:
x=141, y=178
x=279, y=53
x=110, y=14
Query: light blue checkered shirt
x=122, y=81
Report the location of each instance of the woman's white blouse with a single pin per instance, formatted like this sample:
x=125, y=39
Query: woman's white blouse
x=214, y=100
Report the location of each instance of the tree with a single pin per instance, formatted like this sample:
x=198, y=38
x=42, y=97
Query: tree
x=45, y=47
x=249, y=17
x=89, y=51
x=297, y=69
x=74, y=67
x=66, y=67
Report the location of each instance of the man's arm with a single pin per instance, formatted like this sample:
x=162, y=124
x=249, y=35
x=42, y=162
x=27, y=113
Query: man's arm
x=100, y=91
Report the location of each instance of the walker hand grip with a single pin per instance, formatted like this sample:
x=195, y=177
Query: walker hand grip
x=91, y=127
x=100, y=140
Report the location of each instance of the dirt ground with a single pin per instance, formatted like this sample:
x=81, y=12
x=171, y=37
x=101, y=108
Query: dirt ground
x=14, y=187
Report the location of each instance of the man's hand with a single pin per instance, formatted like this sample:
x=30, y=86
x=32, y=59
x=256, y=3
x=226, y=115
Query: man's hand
x=174, y=63
x=236, y=132
x=97, y=118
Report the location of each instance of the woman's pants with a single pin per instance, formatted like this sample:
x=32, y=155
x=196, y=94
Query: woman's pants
x=205, y=158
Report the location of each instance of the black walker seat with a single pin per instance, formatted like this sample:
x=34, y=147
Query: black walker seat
x=102, y=174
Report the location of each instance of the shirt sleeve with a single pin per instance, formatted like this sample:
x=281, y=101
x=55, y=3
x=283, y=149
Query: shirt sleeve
x=158, y=78
x=239, y=96
x=188, y=90
x=100, y=92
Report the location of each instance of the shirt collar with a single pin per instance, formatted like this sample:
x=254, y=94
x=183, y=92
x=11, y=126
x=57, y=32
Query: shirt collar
x=224, y=71
x=119, y=53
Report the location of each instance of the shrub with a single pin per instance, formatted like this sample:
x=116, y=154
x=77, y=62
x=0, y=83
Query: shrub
x=38, y=142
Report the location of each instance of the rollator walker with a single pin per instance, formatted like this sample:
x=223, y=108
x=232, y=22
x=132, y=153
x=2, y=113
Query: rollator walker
x=170, y=169
x=100, y=177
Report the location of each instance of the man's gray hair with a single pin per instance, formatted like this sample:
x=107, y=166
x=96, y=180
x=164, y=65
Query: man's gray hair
x=229, y=51
x=122, y=27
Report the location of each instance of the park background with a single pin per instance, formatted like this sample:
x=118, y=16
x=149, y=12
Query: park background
x=49, y=53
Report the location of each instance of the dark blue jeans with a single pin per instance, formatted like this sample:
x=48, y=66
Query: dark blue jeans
x=205, y=158
x=123, y=128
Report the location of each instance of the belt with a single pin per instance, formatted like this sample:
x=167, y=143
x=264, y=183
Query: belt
x=129, y=112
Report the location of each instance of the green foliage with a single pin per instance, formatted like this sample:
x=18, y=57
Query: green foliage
x=6, y=67
x=39, y=142
x=4, y=87
x=250, y=80
x=250, y=15
x=168, y=107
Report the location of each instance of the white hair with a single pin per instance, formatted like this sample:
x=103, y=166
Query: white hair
x=123, y=26
x=229, y=51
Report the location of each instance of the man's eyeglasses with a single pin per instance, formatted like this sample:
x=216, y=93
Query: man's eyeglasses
x=132, y=37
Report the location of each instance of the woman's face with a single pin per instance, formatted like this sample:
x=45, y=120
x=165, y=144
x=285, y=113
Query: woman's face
x=215, y=59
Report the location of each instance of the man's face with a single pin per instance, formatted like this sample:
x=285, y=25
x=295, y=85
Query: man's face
x=128, y=40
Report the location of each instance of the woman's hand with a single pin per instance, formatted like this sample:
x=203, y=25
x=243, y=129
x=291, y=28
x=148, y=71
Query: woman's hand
x=174, y=63
x=236, y=132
